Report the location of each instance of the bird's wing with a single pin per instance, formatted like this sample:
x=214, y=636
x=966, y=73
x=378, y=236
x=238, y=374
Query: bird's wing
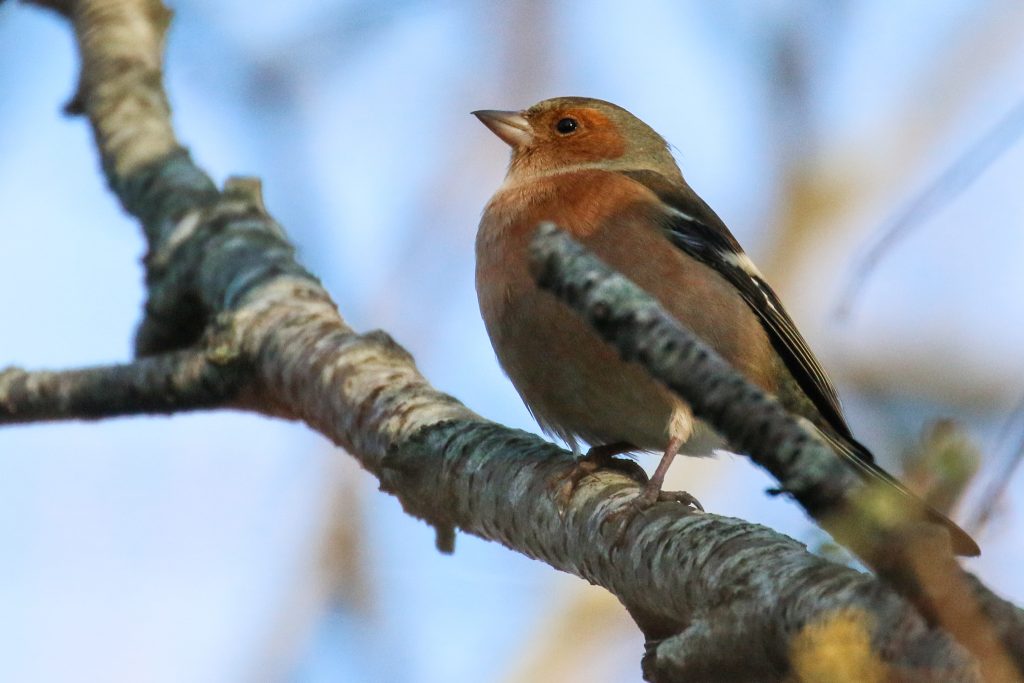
x=694, y=227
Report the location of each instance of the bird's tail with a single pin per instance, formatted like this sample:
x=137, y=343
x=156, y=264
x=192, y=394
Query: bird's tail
x=862, y=460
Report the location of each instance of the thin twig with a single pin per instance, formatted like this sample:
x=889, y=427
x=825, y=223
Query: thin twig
x=1008, y=453
x=978, y=158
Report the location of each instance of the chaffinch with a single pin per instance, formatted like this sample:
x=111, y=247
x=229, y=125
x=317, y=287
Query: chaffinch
x=606, y=177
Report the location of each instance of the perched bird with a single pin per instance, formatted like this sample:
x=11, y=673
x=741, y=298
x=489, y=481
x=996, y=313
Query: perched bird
x=607, y=178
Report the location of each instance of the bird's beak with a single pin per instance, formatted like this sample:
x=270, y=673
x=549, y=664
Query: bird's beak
x=510, y=126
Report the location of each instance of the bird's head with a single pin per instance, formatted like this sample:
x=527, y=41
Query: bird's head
x=568, y=133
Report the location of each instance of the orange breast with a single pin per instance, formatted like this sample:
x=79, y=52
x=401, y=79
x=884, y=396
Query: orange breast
x=572, y=381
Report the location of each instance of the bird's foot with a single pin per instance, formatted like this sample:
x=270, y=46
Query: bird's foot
x=597, y=458
x=651, y=494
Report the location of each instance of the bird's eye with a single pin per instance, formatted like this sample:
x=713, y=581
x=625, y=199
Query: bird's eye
x=566, y=126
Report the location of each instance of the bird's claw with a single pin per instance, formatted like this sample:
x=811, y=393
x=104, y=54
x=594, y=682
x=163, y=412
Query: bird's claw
x=683, y=497
x=566, y=484
x=643, y=502
x=653, y=494
x=600, y=457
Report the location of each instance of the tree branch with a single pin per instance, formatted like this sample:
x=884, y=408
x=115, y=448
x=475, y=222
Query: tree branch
x=222, y=279
x=174, y=382
x=880, y=526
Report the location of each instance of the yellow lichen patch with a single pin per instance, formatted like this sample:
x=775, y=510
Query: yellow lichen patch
x=836, y=648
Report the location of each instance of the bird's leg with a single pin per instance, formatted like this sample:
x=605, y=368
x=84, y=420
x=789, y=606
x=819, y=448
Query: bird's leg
x=652, y=492
x=680, y=429
x=599, y=457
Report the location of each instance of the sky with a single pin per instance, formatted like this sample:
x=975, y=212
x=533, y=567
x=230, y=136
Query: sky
x=230, y=547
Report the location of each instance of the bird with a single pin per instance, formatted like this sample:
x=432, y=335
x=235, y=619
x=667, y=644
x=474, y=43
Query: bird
x=608, y=179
